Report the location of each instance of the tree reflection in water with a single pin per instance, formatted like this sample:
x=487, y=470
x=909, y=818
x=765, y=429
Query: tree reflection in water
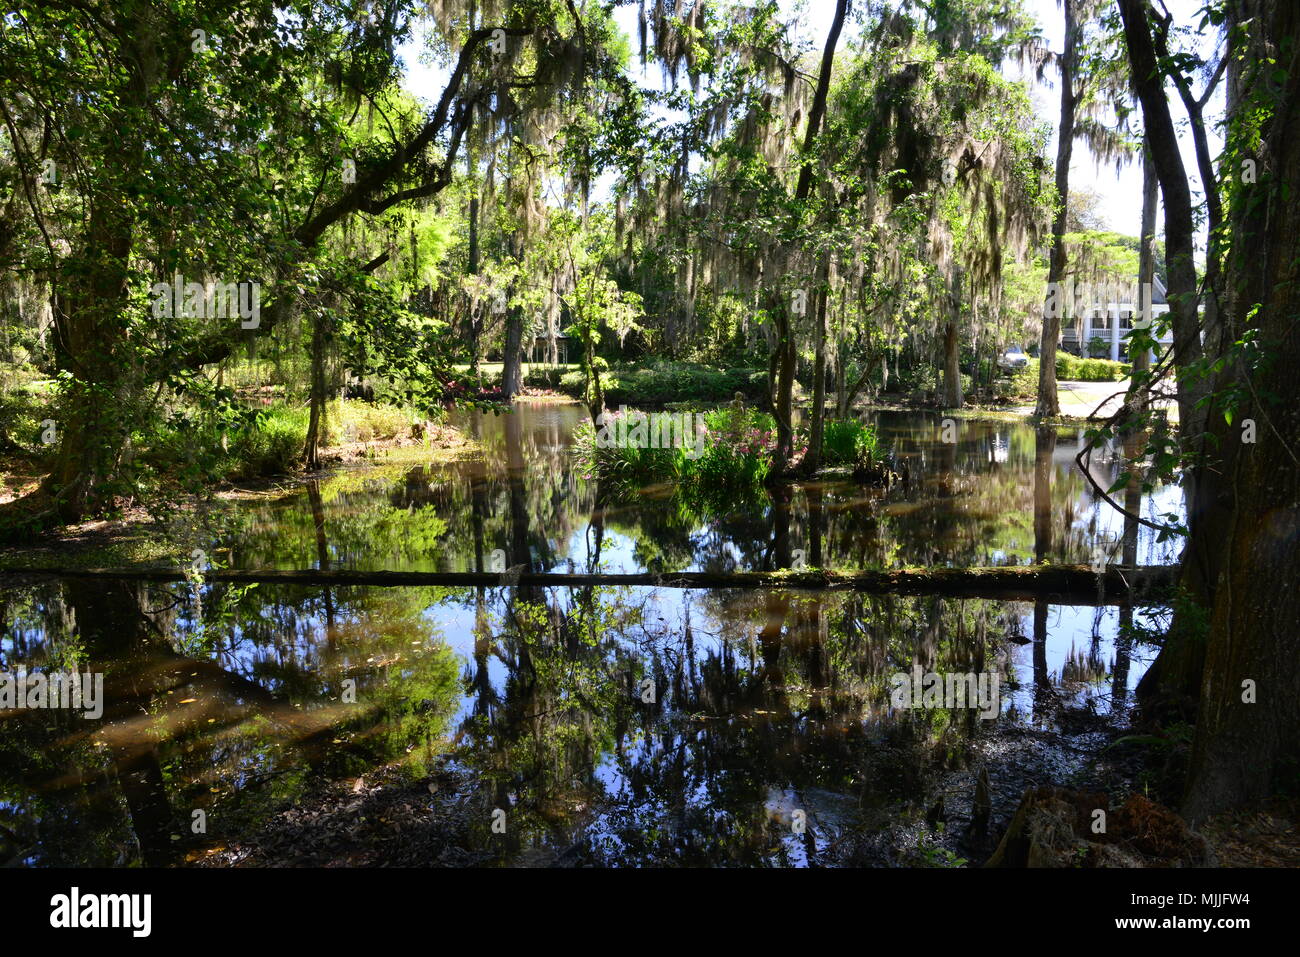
x=613, y=725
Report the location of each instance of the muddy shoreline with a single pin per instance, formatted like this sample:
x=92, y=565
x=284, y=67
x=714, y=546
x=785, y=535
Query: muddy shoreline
x=389, y=819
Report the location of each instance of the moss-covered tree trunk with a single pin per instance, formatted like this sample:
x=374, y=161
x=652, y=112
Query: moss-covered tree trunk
x=91, y=322
x=512, y=357
x=814, y=458
x=952, y=397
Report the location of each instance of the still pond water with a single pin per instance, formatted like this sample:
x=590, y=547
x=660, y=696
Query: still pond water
x=237, y=700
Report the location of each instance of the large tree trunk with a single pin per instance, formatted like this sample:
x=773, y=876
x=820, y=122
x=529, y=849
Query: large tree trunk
x=1210, y=325
x=952, y=397
x=311, y=452
x=1245, y=748
x=511, y=358
x=98, y=409
x=1048, y=402
x=1170, y=686
x=95, y=416
x=1163, y=140
x=1175, y=678
x=784, y=399
x=814, y=458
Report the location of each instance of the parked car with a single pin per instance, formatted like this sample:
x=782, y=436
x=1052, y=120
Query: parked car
x=1013, y=359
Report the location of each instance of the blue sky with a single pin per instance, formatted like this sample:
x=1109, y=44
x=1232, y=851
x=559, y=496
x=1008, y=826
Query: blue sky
x=1121, y=190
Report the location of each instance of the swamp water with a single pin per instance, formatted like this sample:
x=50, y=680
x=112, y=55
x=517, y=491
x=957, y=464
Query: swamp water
x=611, y=725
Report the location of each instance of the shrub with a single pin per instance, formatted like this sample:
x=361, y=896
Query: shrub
x=922, y=378
x=868, y=448
x=622, y=467
x=22, y=410
x=271, y=444
x=363, y=422
x=735, y=458
x=738, y=450
x=1024, y=382
x=734, y=463
x=574, y=383
x=843, y=440
x=547, y=377
x=1089, y=370
x=850, y=442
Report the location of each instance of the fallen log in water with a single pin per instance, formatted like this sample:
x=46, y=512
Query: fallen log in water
x=1072, y=584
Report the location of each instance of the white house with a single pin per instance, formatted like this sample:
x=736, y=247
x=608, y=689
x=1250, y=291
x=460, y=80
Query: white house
x=1114, y=325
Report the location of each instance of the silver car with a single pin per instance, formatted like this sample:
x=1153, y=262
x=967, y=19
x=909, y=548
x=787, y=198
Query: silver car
x=1013, y=359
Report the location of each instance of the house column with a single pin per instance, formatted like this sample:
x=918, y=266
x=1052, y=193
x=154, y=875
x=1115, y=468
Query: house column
x=1114, y=333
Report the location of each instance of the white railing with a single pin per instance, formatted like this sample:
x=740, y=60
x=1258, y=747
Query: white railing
x=1116, y=325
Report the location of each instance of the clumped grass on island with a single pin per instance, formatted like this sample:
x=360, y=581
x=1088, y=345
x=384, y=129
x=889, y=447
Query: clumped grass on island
x=850, y=442
x=731, y=452
x=271, y=442
x=731, y=463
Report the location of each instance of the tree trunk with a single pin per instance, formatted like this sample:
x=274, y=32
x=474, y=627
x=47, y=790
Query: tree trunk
x=841, y=387
x=783, y=408
x=1211, y=329
x=1163, y=140
x=471, y=264
x=1048, y=402
x=952, y=397
x=97, y=414
x=785, y=337
x=311, y=452
x=475, y=320
x=1243, y=750
x=818, y=430
x=595, y=389
x=1174, y=680
x=511, y=369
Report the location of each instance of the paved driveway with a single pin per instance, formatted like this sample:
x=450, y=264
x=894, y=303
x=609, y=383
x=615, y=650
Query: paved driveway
x=1083, y=398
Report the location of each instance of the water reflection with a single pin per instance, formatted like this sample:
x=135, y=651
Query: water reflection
x=612, y=725
x=1004, y=493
